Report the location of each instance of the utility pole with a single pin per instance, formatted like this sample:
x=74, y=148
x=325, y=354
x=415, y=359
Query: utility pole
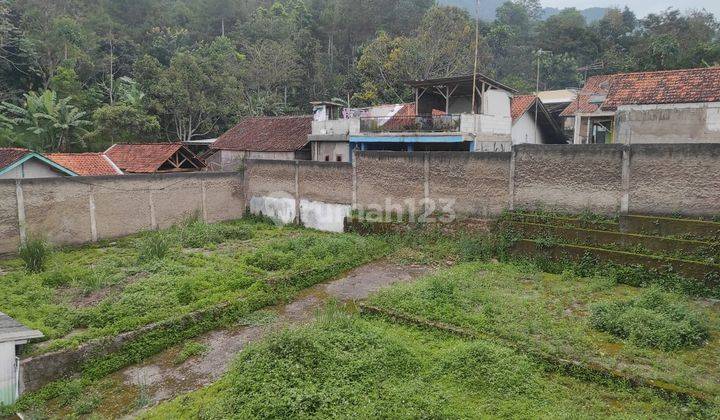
x=475, y=66
x=537, y=94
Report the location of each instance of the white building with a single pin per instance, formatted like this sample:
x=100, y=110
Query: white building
x=18, y=163
x=12, y=335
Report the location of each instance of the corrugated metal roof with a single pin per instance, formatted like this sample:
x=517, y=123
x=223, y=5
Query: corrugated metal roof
x=11, y=330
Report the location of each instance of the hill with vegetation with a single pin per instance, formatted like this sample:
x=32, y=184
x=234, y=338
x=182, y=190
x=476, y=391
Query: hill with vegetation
x=79, y=75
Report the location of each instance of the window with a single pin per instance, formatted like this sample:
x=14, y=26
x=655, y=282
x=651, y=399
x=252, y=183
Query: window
x=338, y=158
x=327, y=158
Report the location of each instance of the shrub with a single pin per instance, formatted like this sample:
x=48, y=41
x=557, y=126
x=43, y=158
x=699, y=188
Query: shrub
x=186, y=292
x=154, y=246
x=195, y=233
x=34, y=253
x=653, y=319
x=484, y=247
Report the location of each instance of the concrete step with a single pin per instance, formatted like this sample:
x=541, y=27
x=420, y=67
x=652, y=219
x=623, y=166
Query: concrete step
x=564, y=221
x=671, y=226
x=695, y=250
x=707, y=274
x=675, y=227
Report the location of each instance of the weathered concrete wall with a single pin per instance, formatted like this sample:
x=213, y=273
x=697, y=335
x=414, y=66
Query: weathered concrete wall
x=77, y=210
x=390, y=180
x=317, y=194
x=569, y=178
x=478, y=183
x=675, y=178
x=326, y=182
x=9, y=224
x=669, y=123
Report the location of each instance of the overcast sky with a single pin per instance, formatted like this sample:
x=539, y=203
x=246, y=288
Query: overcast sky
x=640, y=7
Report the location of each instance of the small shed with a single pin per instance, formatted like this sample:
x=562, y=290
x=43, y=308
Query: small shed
x=12, y=335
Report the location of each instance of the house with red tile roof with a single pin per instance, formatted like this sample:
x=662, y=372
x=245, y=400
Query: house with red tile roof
x=532, y=122
x=670, y=106
x=276, y=138
x=18, y=163
x=86, y=164
x=146, y=158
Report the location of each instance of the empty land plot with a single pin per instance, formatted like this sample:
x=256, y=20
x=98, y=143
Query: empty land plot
x=647, y=333
x=109, y=288
x=346, y=366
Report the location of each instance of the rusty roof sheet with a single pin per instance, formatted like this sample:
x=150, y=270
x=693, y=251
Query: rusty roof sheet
x=267, y=134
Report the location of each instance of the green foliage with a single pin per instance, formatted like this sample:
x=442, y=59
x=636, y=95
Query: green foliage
x=192, y=68
x=486, y=246
x=34, y=252
x=190, y=349
x=551, y=316
x=55, y=123
x=344, y=366
x=653, y=319
x=155, y=245
x=194, y=233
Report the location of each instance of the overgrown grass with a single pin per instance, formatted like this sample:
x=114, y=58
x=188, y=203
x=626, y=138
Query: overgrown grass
x=102, y=290
x=34, y=253
x=653, y=319
x=347, y=367
x=550, y=313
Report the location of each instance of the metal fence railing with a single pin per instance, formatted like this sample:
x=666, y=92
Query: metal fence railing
x=411, y=123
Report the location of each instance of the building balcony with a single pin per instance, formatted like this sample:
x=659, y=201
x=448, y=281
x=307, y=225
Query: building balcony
x=447, y=123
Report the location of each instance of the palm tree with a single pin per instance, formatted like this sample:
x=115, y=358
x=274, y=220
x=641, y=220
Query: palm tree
x=55, y=123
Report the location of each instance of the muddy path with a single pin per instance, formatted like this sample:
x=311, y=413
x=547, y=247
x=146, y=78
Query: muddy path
x=161, y=377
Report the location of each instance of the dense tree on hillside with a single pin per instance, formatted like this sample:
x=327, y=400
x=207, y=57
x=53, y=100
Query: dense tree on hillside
x=199, y=65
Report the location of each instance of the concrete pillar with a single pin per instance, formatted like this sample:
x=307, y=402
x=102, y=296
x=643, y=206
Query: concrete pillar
x=93, y=220
x=625, y=198
x=353, y=160
x=513, y=153
x=204, y=200
x=297, y=193
x=576, y=129
x=21, y=211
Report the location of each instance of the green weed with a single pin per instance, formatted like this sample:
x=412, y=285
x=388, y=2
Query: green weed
x=190, y=349
x=35, y=252
x=653, y=319
x=154, y=246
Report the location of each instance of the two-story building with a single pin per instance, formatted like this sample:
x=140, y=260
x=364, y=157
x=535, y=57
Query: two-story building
x=463, y=113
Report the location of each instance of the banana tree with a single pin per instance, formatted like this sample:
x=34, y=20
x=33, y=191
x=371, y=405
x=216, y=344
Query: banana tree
x=54, y=124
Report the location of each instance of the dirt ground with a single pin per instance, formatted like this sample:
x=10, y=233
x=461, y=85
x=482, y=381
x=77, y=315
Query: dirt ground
x=161, y=377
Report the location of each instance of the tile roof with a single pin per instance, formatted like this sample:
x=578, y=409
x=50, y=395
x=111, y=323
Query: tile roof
x=10, y=155
x=595, y=85
x=664, y=87
x=519, y=105
x=267, y=134
x=645, y=88
x=144, y=157
x=86, y=164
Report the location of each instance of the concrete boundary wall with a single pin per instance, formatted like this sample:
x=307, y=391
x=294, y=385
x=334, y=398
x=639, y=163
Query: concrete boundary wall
x=652, y=179
x=316, y=194
x=78, y=210
x=569, y=178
